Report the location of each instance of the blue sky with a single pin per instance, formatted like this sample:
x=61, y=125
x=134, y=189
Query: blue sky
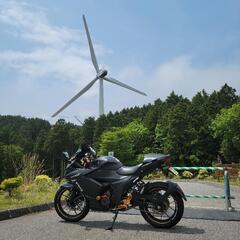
x=154, y=46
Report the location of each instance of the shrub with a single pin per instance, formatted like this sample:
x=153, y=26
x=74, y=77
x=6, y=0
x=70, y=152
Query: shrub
x=11, y=183
x=210, y=177
x=42, y=179
x=187, y=175
x=202, y=174
x=42, y=183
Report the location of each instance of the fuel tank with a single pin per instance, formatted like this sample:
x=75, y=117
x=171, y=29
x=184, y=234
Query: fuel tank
x=108, y=163
x=103, y=167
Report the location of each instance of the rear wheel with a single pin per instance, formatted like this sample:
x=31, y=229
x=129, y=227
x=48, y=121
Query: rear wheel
x=70, y=210
x=165, y=214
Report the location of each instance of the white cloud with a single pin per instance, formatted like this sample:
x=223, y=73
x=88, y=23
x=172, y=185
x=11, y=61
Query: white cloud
x=178, y=74
x=58, y=52
x=184, y=78
x=33, y=25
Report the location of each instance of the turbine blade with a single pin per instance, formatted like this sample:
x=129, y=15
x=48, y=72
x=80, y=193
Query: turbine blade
x=112, y=80
x=78, y=120
x=93, y=56
x=75, y=97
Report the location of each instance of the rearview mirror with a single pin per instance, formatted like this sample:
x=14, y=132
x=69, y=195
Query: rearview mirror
x=66, y=155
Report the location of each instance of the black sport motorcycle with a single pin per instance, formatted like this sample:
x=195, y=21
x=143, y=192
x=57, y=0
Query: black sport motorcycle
x=104, y=184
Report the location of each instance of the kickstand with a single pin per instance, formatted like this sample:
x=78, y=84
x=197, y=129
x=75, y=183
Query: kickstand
x=114, y=219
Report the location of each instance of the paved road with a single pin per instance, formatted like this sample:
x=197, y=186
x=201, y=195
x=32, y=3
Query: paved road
x=47, y=225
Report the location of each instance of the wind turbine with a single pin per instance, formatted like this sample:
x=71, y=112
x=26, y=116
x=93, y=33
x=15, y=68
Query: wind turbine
x=101, y=75
x=78, y=120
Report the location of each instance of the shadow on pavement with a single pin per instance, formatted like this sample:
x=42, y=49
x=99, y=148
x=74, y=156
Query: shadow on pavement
x=89, y=225
x=202, y=213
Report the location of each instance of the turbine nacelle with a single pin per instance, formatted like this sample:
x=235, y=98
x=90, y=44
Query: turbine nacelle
x=102, y=73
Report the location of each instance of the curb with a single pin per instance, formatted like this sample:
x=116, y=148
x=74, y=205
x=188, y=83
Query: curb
x=17, y=212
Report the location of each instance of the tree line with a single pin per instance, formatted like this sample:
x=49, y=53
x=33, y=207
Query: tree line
x=200, y=131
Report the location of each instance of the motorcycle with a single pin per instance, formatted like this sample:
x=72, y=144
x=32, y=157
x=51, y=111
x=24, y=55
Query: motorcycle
x=104, y=184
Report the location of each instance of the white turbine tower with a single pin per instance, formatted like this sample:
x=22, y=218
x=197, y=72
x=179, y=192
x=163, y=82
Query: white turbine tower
x=101, y=75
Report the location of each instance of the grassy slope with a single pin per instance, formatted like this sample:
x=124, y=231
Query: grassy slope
x=27, y=196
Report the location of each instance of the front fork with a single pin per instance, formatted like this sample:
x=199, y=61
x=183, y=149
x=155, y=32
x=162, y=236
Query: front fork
x=74, y=188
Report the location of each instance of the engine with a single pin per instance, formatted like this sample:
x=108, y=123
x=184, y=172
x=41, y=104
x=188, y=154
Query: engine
x=104, y=199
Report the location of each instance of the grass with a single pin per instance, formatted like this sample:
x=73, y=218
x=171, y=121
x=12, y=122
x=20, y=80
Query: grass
x=26, y=196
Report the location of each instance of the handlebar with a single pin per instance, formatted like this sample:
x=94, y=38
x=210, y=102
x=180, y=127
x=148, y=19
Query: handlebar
x=82, y=158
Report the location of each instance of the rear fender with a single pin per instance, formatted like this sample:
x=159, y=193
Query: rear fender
x=170, y=186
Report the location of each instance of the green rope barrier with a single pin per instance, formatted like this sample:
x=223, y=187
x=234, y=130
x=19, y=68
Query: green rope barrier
x=227, y=195
x=198, y=168
x=205, y=196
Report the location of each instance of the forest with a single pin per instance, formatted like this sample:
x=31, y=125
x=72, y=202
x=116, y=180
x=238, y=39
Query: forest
x=201, y=131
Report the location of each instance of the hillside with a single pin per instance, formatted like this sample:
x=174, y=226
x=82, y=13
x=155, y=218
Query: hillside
x=179, y=126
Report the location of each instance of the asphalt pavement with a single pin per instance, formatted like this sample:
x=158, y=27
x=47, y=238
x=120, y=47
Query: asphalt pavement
x=47, y=225
x=131, y=225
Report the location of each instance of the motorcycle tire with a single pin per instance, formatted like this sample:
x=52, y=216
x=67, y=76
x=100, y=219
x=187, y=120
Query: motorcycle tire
x=171, y=220
x=58, y=204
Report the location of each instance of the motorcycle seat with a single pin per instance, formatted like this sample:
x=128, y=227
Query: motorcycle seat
x=128, y=170
x=155, y=157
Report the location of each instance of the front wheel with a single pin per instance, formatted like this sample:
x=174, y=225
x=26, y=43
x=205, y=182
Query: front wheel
x=70, y=206
x=165, y=214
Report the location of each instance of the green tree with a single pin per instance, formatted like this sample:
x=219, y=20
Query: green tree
x=173, y=133
x=126, y=142
x=226, y=127
x=138, y=135
x=88, y=130
x=101, y=125
x=21, y=131
x=10, y=156
x=117, y=140
x=56, y=142
x=151, y=119
x=204, y=146
x=39, y=145
x=224, y=98
x=75, y=138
